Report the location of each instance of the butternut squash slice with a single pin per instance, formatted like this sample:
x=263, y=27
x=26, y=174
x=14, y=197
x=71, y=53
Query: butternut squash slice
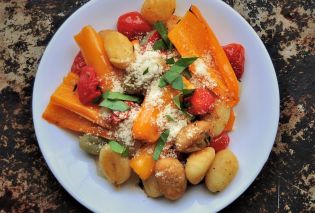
x=69, y=120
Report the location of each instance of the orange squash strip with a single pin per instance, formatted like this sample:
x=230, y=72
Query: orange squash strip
x=92, y=48
x=69, y=120
x=65, y=97
x=143, y=164
x=193, y=37
x=145, y=128
x=230, y=123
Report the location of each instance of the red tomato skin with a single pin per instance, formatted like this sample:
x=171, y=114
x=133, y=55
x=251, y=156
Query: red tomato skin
x=154, y=37
x=78, y=63
x=201, y=102
x=236, y=55
x=220, y=142
x=87, y=86
x=133, y=25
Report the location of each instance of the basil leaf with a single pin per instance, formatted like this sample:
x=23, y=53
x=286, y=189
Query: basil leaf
x=188, y=92
x=170, y=76
x=178, y=83
x=118, y=148
x=114, y=105
x=177, y=102
x=120, y=96
x=185, y=62
x=186, y=74
x=162, y=83
x=105, y=95
x=160, y=144
x=170, y=61
x=169, y=118
x=159, y=45
x=162, y=30
x=145, y=71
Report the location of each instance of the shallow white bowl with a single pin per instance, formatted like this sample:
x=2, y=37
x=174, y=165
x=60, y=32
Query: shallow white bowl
x=252, y=140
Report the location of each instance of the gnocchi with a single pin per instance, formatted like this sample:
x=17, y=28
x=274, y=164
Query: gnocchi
x=222, y=171
x=158, y=10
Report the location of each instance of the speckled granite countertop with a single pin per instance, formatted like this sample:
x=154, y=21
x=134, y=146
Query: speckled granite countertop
x=287, y=182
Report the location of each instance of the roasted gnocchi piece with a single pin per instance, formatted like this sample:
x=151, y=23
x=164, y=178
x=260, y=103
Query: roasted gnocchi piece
x=158, y=10
x=118, y=48
x=114, y=167
x=222, y=171
x=198, y=164
x=151, y=187
x=218, y=118
x=193, y=137
x=170, y=176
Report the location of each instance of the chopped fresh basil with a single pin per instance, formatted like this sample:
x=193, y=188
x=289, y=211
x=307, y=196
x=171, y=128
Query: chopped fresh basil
x=187, y=74
x=162, y=30
x=145, y=71
x=177, y=101
x=160, y=144
x=120, y=96
x=178, y=83
x=97, y=100
x=114, y=105
x=175, y=72
x=159, y=45
x=169, y=118
x=116, y=147
x=170, y=61
x=162, y=83
x=188, y=92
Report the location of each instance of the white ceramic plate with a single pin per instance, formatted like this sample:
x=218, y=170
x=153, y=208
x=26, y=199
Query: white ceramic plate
x=256, y=123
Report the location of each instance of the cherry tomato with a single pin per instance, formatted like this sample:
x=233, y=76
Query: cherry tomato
x=78, y=63
x=88, y=85
x=153, y=37
x=220, y=142
x=235, y=54
x=133, y=25
x=201, y=102
x=117, y=117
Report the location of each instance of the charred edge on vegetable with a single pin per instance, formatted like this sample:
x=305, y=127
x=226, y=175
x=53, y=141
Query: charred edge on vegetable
x=75, y=87
x=190, y=10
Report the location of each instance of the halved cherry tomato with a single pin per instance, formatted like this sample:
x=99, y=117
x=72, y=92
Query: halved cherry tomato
x=133, y=25
x=220, y=142
x=88, y=85
x=235, y=53
x=201, y=102
x=78, y=63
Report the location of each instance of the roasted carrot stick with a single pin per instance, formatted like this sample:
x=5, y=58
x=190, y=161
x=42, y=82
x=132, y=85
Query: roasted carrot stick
x=69, y=120
x=92, y=48
x=143, y=164
x=193, y=37
x=66, y=97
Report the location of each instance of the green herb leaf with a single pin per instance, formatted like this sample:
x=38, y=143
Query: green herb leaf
x=169, y=118
x=162, y=83
x=186, y=74
x=162, y=30
x=170, y=76
x=114, y=105
x=145, y=71
x=188, y=92
x=177, y=102
x=178, y=83
x=170, y=61
x=160, y=144
x=159, y=45
x=120, y=96
x=116, y=147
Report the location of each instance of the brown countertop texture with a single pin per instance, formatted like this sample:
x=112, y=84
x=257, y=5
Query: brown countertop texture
x=287, y=181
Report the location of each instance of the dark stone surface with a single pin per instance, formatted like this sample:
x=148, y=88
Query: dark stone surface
x=287, y=182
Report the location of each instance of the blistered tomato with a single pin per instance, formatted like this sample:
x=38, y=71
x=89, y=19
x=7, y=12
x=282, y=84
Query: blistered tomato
x=133, y=25
x=78, y=63
x=236, y=56
x=88, y=85
x=220, y=142
x=201, y=102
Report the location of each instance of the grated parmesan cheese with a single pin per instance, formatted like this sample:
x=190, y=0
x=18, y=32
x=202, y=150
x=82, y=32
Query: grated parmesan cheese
x=202, y=74
x=136, y=80
x=123, y=132
x=180, y=121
